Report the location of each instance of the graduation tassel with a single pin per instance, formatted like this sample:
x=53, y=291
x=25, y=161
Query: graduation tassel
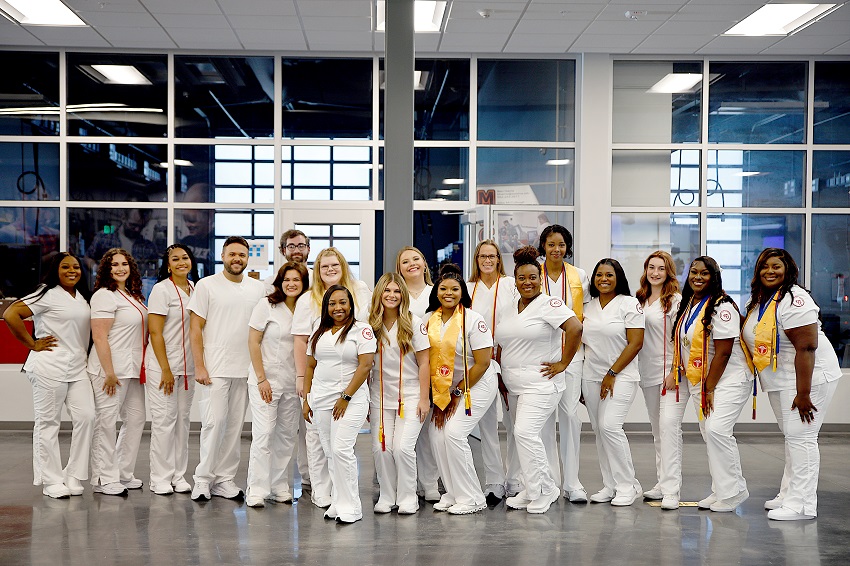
x=755, y=394
x=400, y=408
x=467, y=401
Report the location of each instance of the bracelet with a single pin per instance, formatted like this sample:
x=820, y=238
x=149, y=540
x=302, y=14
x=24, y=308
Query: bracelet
x=263, y=381
x=612, y=373
x=299, y=376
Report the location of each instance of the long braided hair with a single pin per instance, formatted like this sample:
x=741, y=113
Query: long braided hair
x=715, y=293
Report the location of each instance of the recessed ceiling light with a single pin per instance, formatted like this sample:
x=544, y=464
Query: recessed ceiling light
x=41, y=13
x=428, y=15
x=454, y=181
x=116, y=74
x=781, y=19
x=444, y=192
x=676, y=83
x=558, y=162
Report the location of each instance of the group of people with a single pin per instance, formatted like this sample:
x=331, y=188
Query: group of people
x=315, y=355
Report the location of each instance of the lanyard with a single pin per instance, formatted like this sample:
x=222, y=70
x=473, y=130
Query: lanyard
x=694, y=313
x=183, y=329
x=381, y=383
x=495, y=297
x=563, y=281
x=144, y=334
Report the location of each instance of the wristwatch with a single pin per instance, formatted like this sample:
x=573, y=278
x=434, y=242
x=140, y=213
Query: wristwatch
x=345, y=396
x=612, y=373
x=457, y=392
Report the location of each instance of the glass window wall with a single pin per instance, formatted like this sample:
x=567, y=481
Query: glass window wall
x=30, y=102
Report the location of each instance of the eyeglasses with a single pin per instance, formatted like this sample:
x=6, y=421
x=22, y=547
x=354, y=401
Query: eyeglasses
x=299, y=247
x=334, y=266
x=489, y=257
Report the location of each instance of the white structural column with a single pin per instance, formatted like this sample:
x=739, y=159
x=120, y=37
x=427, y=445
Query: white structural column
x=398, y=129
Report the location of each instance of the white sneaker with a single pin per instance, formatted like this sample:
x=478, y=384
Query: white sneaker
x=132, y=483
x=542, y=503
x=114, y=488
x=669, y=502
x=282, y=497
x=432, y=495
x=226, y=489
x=408, y=509
x=604, y=495
x=331, y=512
x=518, y=501
x=161, y=489
x=321, y=502
x=255, y=501
x=707, y=502
x=444, y=503
x=785, y=514
x=56, y=491
x=625, y=499
x=349, y=519
x=577, y=496
x=728, y=505
x=653, y=494
x=382, y=507
x=181, y=486
x=464, y=509
x=512, y=489
x=201, y=491
x=774, y=503
x=73, y=485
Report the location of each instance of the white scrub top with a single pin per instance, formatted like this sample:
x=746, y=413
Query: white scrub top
x=478, y=336
x=390, y=364
x=528, y=339
x=419, y=305
x=656, y=357
x=172, y=302
x=226, y=306
x=796, y=309
x=482, y=299
x=336, y=364
x=561, y=290
x=604, y=336
x=68, y=319
x=725, y=324
x=276, y=347
x=126, y=335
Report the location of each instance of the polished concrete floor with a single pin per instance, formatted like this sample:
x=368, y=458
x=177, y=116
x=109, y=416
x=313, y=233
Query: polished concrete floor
x=149, y=529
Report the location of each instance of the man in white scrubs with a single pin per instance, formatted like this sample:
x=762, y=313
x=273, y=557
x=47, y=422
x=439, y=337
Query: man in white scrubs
x=220, y=309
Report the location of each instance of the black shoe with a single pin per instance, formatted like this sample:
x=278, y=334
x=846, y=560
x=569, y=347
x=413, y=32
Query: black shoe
x=493, y=500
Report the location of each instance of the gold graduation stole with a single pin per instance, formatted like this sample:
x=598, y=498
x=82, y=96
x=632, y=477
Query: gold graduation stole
x=576, y=290
x=443, y=354
x=767, y=337
x=695, y=372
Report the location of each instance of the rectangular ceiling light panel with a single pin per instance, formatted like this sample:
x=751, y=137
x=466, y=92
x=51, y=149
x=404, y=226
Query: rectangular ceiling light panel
x=41, y=13
x=781, y=19
x=428, y=15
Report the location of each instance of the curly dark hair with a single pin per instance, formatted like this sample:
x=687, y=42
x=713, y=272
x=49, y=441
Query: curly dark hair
x=104, y=278
x=164, y=274
x=51, y=278
x=555, y=229
x=449, y=271
x=527, y=255
x=715, y=293
x=758, y=293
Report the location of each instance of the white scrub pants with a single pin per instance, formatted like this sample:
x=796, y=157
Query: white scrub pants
x=652, y=398
x=274, y=432
x=301, y=450
x=427, y=473
x=548, y=435
x=533, y=411
x=396, y=466
x=320, y=477
x=607, y=417
x=491, y=449
x=451, y=444
x=799, y=487
x=569, y=426
x=724, y=461
x=48, y=396
x=113, y=461
x=169, y=453
x=223, y=405
x=338, y=438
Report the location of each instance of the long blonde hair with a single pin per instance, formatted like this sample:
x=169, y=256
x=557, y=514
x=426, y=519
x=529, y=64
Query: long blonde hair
x=476, y=272
x=317, y=291
x=428, y=280
x=670, y=286
x=404, y=323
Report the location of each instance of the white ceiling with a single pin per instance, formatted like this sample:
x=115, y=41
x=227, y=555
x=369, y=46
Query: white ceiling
x=674, y=27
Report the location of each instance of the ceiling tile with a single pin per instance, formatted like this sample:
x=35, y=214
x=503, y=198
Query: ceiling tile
x=424, y=42
x=120, y=19
x=672, y=44
x=626, y=27
x=124, y=6
x=600, y=42
x=71, y=37
x=337, y=8
x=265, y=22
x=253, y=35
x=472, y=42
x=554, y=26
x=11, y=34
x=500, y=11
x=339, y=40
x=805, y=45
x=257, y=7
x=194, y=7
x=616, y=13
x=734, y=44
x=196, y=21
x=490, y=25
x=354, y=24
x=703, y=28
x=843, y=49
x=548, y=11
x=540, y=42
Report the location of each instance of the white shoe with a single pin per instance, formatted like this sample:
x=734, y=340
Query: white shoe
x=604, y=495
x=577, y=496
x=161, y=489
x=542, y=503
x=653, y=494
x=432, y=495
x=56, y=491
x=181, y=486
x=464, y=509
x=625, y=499
x=132, y=483
x=774, y=503
x=728, y=505
x=73, y=485
x=444, y=503
x=382, y=507
x=785, y=514
x=349, y=519
x=518, y=501
x=114, y=488
x=201, y=491
x=408, y=509
x=282, y=497
x=669, y=502
x=321, y=502
x=512, y=489
x=331, y=512
x=707, y=502
x=226, y=489
x=255, y=501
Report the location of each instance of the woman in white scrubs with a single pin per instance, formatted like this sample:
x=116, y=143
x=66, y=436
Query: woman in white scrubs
x=710, y=368
x=340, y=357
x=399, y=393
x=116, y=370
x=492, y=291
x=330, y=268
x=659, y=296
x=613, y=336
x=56, y=368
x=410, y=263
x=170, y=370
x=530, y=337
x=570, y=284
x=798, y=368
x=275, y=406
x=463, y=386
